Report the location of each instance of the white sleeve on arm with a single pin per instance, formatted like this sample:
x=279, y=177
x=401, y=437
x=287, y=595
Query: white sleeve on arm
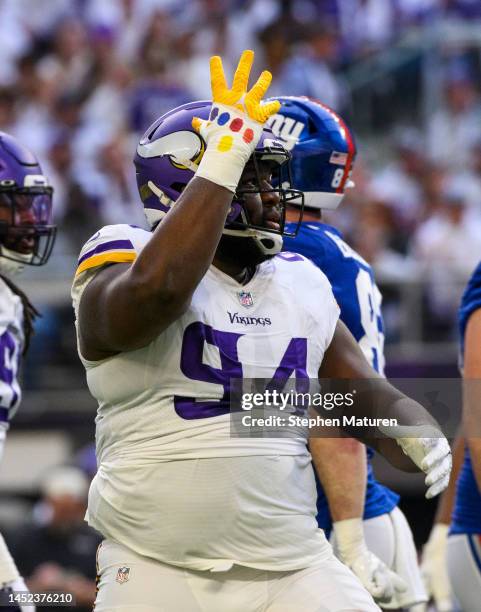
x=111, y=244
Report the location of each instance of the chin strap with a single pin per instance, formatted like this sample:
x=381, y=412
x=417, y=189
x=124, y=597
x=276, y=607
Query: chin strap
x=11, y=262
x=268, y=243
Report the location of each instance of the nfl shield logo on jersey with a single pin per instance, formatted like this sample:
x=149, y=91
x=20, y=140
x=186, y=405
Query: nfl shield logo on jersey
x=122, y=574
x=245, y=298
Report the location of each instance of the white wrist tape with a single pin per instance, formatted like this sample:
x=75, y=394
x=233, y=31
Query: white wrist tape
x=231, y=138
x=438, y=538
x=349, y=538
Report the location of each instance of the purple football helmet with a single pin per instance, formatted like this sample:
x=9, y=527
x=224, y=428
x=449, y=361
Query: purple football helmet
x=27, y=234
x=169, y=154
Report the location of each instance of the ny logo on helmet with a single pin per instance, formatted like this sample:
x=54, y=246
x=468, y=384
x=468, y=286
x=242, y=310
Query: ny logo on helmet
x=287, y=129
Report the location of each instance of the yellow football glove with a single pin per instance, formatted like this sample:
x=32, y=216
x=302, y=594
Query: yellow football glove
x=235, y=123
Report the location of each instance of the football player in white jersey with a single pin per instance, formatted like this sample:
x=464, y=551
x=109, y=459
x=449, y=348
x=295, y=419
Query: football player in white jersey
x=26, y=238
x=194, y=518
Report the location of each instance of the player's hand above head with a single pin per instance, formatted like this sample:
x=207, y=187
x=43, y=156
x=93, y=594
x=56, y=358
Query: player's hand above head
x=235, y=123
x=383, y=584
x=248, y=102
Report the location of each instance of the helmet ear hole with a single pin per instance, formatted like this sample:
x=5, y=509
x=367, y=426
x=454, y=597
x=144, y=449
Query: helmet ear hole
x=268, y=243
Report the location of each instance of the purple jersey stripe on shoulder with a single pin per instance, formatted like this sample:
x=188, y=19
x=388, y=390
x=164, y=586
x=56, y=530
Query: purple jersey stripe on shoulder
x=107, y=246
x=4, y=414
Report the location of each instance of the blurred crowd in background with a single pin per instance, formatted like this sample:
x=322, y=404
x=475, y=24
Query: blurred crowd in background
x=81, y=80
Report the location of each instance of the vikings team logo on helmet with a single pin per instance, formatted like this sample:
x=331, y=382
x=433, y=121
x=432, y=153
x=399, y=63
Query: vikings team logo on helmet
x=27, y=234
x=322, y=147
x=169, y=154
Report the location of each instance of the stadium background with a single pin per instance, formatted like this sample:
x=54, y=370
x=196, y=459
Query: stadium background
x=80, y=80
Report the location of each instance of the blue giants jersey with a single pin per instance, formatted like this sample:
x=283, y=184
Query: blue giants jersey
x=466, y=516
x=359, y=299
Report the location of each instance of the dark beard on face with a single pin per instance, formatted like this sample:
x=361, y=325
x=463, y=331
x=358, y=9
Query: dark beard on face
x=245, y=252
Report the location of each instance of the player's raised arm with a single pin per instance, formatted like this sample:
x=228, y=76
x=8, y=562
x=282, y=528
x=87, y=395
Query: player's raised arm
x=417, y=441
x=126, y=306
